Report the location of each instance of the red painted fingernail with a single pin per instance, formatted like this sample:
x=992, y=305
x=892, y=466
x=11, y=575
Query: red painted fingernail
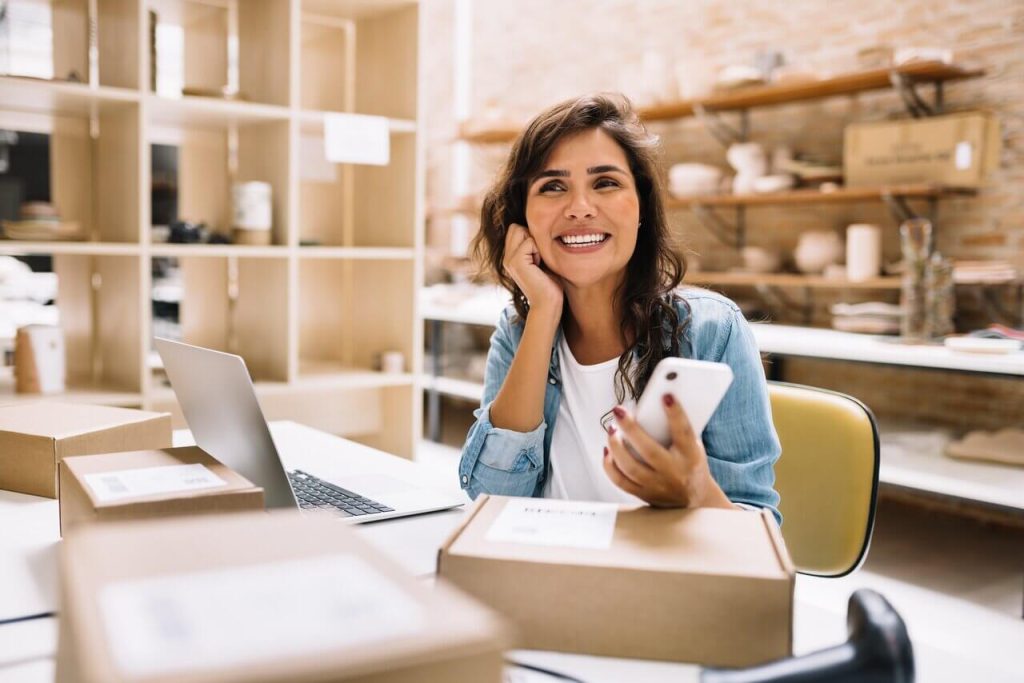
x=668, y=399
x=619, y=412
x=606, y=451
x=611, y=430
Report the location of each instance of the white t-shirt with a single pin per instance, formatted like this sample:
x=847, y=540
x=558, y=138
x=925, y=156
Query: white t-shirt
x=577, y=446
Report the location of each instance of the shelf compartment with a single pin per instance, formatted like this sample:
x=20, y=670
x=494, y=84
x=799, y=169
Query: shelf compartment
x=238, y=305
x=359, y=57
x=788, y=280
x=362, y=206
x=100, y=307
x=210, y=30
x=92, y=160
x=464, y=389
x=205, y=172
x=352, y=311
x=839, y=196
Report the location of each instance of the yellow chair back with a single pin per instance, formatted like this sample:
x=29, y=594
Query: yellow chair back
x=827, y=477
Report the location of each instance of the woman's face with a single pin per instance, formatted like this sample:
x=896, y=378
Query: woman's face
x=582, y=209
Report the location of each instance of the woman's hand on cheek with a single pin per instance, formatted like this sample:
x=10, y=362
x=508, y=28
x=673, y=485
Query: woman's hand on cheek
x=523, y=264
x=677, y=476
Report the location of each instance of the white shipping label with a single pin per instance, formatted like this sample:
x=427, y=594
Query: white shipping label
x=258, y=613
x=357, y=139
x=147, y=481
x=566, y=523
x=963, y=156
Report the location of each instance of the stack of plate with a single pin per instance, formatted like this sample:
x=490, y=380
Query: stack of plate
x=41, y=230
x=870, y=317
x=39, y=222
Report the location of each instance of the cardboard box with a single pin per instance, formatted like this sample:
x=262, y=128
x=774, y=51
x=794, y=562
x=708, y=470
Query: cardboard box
x=708, y=586
x=147, y=484
x=955, y=149
x=267, y=597
x=34, y=437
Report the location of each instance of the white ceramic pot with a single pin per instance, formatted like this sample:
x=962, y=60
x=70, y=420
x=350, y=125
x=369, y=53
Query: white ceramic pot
x=816, y=249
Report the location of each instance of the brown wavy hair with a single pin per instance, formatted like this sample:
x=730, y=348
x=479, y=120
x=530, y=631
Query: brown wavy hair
x=655, y=269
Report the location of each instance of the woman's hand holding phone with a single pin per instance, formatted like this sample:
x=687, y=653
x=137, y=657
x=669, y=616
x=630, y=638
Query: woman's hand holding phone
x=523, y=263
x=674, y=476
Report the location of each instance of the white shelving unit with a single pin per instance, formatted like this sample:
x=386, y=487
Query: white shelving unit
x=928, y=471
x=311, y=312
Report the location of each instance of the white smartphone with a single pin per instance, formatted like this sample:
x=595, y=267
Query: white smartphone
x=697, y=385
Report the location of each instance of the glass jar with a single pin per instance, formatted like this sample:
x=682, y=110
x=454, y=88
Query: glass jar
x=916, y=245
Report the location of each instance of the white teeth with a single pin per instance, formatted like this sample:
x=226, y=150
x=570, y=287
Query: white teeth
x=582, y=240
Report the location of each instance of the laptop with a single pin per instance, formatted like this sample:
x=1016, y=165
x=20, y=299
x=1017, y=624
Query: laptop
x=217, y=397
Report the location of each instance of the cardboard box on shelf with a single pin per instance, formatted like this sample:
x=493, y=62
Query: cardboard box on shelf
x=34, y=437
x=272, y=597
x=146, y=484
x=954, y=149
x=709, y=586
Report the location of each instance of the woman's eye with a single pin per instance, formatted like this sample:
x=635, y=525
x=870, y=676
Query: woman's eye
x=606, y=182
x=551, y=186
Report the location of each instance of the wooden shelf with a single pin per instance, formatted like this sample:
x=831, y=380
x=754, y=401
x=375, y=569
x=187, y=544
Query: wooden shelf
x=60, y=97
x=838, y=196
x=210, y=112
x=765, y=95
x=457, y=388
x=313, y=122
x=789, y=280
x=70, y=247
x=784, y=93
x=218, y=250
x=359, y=253
x=73, y=394
x=322, y=374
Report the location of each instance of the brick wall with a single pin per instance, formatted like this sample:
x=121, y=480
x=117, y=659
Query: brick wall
x=530, y=53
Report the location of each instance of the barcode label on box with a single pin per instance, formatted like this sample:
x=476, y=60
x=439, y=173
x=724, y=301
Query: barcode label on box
x=565, y=523
x=148, y=481
x=201, y=621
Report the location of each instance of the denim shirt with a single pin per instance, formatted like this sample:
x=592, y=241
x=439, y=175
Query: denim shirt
x=739, y=439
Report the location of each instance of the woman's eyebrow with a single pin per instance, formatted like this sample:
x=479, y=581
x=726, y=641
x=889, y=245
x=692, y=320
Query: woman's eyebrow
x=604, y=169
x=552, y=173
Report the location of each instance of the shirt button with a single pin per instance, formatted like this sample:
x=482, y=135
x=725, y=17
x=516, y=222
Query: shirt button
x=551, y=380
x=465, y=479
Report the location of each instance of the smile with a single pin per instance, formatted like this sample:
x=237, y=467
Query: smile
x=583, y=241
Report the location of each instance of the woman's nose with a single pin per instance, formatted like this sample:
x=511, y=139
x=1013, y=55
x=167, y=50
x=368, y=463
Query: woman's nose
x=580, y=206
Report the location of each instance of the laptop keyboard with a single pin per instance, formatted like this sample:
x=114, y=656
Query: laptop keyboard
x=316, y=494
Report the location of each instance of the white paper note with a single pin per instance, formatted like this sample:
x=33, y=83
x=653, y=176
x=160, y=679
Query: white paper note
x=241, y=615
x=357, y=139
x=147, y=481
x=566, y=523
x=313, y=165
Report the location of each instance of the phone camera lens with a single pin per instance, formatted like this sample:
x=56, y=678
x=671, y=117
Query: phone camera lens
x=671, y=375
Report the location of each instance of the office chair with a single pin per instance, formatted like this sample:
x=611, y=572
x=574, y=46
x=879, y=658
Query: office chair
x=827, y=477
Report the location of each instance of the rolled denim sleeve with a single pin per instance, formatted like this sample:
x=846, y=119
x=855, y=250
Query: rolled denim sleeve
x=740, y=438
x=495, y=460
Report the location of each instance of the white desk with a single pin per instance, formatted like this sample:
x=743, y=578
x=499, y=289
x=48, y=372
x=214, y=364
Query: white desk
x=952, y=641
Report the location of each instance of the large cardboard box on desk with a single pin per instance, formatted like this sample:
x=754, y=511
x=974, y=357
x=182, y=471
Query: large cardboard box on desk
x=955, y=149
x=708, y=586
x=34, y=437
x=259, y=597
x=147, y=484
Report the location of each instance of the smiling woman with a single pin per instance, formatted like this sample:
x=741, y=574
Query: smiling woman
x=575, y=228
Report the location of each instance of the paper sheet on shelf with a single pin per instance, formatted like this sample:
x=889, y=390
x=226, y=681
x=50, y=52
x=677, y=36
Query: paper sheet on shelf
x=357, y=139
